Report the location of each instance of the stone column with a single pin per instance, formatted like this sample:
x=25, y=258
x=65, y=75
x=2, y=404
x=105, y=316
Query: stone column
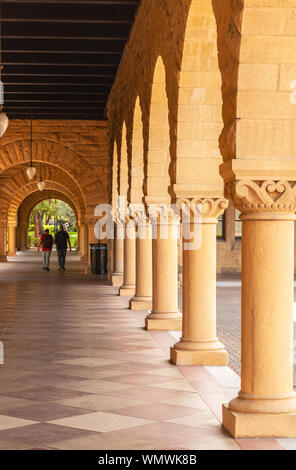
x=266, y=404
x=23, y=234
x=78, y=249
x=117, y=276
x=91, y=237
x=165, y=314
x=129, y=275
x=11, y=239
x=143, y=297
x=199, y=344
x=83, y=232
x=3, y=240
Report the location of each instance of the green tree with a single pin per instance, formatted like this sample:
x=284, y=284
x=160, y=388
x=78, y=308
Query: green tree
x=52, y=212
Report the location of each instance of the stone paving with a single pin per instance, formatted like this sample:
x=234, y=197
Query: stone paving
x=228, y=317
x=81, y=372
x=229, y=321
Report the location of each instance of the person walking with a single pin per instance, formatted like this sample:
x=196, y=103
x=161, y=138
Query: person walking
x=62, y=240
x=46, y=241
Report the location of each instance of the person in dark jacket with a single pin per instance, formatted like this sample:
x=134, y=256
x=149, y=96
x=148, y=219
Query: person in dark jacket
x=62, y=240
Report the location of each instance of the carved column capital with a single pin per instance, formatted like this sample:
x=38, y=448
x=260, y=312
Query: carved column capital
x=90, y=220
x=209, y=208
x=262, y=197
x=12, y=224
x=142, y=220
x=163, y=215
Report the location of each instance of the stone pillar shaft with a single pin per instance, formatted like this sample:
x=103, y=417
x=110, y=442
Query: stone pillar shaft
x=165, y=314
x=3, y=246
x=266, y=404
x=83, y=241
x=199, y=344
x=267, y=271
x=11, y=240
x=117, y=276
x=24, y=237
x=129, y=278
x=143, y=297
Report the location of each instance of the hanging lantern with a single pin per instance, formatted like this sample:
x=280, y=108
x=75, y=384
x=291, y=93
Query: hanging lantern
x=41, y=185
x=4, y=121
x=31, y=170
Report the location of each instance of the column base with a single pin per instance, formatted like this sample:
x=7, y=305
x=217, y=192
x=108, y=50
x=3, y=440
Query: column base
x=259, y=424
x=117, y=280
x=127, y=291
x=199, y=358
x=11, y=254
x=83, y=258
x=3, y=259
x=169, y=321
x=141, y=303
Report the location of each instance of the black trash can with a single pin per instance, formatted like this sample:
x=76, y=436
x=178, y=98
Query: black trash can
x=98, y=257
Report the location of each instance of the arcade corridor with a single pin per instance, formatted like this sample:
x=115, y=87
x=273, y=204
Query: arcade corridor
x=80, y=371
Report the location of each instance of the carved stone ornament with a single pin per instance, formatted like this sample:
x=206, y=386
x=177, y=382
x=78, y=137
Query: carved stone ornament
x=262, y=196
x=163, y=214
x=90, y=220
x=211, y=208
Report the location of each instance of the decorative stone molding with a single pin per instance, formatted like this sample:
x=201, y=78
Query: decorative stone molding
x=212, y=208
x=12, y=224
x=90, y=220
x=262, y=196
x=163, y=215
x=142, y=220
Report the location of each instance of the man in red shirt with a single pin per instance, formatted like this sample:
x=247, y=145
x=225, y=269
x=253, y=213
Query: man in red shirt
x=46, y=240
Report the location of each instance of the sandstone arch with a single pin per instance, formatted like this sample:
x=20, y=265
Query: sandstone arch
x=123, y=164
x=15, y=187
x=18, y=215
x=158, y=155
x=18, y=153
x=114, y=191
x=199, y=119
x=137, y=157
x=35, y=198
x=32, y=196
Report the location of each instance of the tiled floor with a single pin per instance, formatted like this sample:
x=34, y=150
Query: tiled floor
x=80, y=371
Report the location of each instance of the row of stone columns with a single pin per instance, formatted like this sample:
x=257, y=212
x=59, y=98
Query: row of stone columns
x=149, y=269
x=266, y=404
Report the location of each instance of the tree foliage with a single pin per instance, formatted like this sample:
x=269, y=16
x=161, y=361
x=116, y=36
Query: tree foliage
x=52, y=212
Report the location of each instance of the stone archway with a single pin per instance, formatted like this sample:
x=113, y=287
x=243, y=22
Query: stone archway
x=28, y=204
x=158, y=155
x=137, y=157
x=16, y=188
x=16, y=154
x=123, y=165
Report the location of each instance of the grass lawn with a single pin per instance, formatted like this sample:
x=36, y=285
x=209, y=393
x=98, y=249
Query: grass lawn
x=72, y=235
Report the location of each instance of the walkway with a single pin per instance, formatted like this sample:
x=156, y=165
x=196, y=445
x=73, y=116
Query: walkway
x=80, y=372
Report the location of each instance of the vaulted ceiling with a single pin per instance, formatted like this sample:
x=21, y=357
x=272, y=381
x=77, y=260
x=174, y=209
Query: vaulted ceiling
x=60, y=57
